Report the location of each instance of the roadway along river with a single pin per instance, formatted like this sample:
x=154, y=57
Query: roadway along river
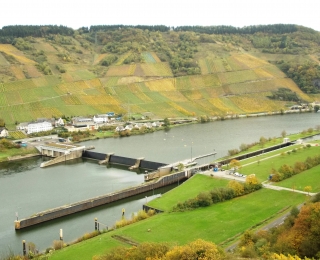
x=26, y=189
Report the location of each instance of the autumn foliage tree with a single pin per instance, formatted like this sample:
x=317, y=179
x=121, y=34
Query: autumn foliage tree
x=199, y=249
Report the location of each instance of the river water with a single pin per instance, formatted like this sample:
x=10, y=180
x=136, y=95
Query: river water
x=25, y=188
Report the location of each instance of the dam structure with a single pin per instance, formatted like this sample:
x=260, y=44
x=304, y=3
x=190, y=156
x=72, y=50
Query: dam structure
x=60, y=152
x=157, y=178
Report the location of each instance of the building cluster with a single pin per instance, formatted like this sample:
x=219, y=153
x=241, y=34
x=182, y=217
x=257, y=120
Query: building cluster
x=82, y=124
x=40, y=125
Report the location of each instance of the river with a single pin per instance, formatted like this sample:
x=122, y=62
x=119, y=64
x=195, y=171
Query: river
x=25, y=188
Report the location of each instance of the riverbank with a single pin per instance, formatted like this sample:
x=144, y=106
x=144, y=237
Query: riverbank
x=15, y=154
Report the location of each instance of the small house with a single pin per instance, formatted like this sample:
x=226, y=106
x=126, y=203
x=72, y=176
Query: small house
x=59, y=122
x=100, y=119
x=4, y=132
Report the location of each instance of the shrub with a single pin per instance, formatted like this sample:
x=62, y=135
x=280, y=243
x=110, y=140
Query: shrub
x=57, y=244
x=204, y=199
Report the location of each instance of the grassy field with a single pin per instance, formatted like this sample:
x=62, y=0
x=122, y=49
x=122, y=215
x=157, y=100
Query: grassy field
x=301, y=180
x=187, y=190
x=14, y=152
x=216, y=223
x=262, y=168
x=87, y=249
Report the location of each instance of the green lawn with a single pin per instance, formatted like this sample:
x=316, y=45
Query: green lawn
x=275, y=141
x=263, y=168
x=88, y=248
x=216, y=223
x=301, y=180
x=189, y=189
x=14, y=151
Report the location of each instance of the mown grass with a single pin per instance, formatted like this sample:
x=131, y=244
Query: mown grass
x=300, y=181
x=187, y=190
x=16, y=151
x=272, y=141
x=216, y=223
x=262, y=168
x=88, y=248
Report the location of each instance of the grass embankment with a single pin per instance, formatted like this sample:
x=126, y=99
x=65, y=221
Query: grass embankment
x=188, y=189
x=272, y=142
x=300, y=181
x=88, y=248
x=262, y=168
x=215, y=223
x=16, y=152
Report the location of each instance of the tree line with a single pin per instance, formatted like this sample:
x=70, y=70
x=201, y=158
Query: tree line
x=9, y=33
x=43, y=30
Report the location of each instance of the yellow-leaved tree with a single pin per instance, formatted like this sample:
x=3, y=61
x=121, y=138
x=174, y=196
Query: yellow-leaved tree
x=252, y=179
x=199, y=249
x=237, y=187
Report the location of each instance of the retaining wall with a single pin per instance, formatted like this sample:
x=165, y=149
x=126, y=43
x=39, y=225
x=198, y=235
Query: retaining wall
x=98, y=201
x=256, y=153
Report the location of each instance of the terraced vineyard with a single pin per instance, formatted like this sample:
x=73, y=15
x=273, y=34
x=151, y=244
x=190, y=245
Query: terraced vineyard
x=229, y=81
x=17, y=135
x=15, y=53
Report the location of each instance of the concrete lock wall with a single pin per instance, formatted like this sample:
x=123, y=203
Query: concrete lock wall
x=98, y=201
x=248, y=155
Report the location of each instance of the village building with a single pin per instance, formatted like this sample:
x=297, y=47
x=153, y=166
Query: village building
x=59, y=122
x=22, y=126
x=38, y=127
x=4, y=132
x=101, y=119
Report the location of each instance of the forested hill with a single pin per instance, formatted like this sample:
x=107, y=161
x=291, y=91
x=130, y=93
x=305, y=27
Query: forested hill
x=54, y=70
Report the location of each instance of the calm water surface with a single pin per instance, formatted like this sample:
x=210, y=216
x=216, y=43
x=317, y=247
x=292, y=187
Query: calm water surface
x=25, y=188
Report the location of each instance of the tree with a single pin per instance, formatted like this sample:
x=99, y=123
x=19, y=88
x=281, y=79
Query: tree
x=237, y=187
x=283, y=133
x=308, y=189
x=243, y=147
x=263, y=141
x=2, y=123
x=252, y=179
x=198, y=249
x=235, y=164
x=316, y=108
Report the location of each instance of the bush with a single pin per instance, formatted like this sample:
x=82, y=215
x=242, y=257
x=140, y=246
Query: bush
x=57, y=244
x=204, y=199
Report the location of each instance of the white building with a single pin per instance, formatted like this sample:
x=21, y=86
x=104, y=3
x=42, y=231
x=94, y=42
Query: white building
x=3, y=132
x=22, y=126
x=39, y=127
x=100, y=119
x=59, y=122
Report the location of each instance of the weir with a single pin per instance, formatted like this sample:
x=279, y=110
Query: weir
x=131, y=163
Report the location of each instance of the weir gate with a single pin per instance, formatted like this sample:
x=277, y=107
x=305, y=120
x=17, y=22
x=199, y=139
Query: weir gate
x=130, y=162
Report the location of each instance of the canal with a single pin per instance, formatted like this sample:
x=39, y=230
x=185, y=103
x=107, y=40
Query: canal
x=25, y=188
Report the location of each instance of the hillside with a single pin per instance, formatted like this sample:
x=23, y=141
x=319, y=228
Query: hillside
x=170, y=73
